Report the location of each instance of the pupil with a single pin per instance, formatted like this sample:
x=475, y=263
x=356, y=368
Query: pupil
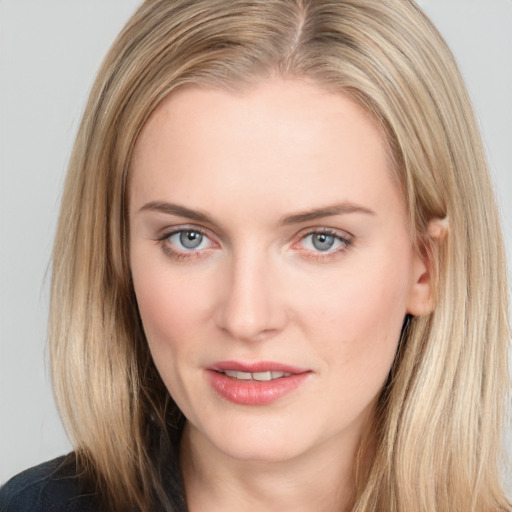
x=323, y=242
x=191, y=239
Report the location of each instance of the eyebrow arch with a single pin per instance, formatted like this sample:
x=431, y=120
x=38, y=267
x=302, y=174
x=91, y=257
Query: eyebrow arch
x=176, y=209
x=328, y=211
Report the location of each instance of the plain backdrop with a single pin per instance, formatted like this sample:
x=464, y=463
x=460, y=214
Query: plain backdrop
x=49, y=53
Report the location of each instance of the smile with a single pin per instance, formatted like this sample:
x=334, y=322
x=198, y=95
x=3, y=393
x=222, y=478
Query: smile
x=255, y=384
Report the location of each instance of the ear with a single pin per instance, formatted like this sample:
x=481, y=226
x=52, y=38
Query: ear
x=421, y=298
x=421, y=301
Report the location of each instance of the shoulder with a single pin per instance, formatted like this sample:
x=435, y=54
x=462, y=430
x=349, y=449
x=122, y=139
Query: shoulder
x=53, y=486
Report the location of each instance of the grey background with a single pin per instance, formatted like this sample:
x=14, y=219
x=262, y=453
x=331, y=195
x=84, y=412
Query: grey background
x=49, y=53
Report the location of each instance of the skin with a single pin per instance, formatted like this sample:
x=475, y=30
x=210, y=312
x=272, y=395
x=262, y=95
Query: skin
x=258, y=289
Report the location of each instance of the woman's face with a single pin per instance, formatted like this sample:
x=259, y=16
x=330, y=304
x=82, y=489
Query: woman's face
x=272, y=265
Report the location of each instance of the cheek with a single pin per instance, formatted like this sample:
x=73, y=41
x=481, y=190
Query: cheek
x=170, y=311
x=359, y=321
x=158, y=309
x=169, y=307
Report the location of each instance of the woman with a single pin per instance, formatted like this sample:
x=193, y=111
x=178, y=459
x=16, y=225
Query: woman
x=278, y=277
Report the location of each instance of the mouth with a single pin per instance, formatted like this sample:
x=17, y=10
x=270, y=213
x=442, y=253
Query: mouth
x=255, y=376
x=255, y=384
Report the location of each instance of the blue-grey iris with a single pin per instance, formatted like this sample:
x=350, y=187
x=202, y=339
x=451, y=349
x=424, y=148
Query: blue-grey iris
x=322, y=241
x=190, y=239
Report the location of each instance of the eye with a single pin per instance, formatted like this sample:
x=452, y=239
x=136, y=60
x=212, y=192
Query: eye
x=188, y=240
x=324, y=242
x=321, y=241
x=185, y=243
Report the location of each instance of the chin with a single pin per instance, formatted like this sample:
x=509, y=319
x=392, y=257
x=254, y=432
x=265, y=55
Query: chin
x=262, y=443
x=261, y=452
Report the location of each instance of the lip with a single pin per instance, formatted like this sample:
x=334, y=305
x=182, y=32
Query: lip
x=250, y=392
x=259, y=366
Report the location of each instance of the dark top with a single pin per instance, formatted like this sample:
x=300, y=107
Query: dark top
x=60, y=486
x=50, y=487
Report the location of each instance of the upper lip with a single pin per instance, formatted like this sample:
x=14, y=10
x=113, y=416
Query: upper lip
x=256, y=367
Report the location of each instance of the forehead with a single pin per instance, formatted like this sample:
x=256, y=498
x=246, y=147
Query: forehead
x=284, y=140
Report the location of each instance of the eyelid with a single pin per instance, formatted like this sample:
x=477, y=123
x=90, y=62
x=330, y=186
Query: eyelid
x=315, y=230
x=169, y=231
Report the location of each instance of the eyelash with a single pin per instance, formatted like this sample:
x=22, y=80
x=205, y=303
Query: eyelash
x=345, y=240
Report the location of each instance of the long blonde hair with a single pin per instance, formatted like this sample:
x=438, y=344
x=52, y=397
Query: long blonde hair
x=438, y=434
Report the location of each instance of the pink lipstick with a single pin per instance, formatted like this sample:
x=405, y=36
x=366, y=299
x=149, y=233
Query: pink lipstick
x=256, y=383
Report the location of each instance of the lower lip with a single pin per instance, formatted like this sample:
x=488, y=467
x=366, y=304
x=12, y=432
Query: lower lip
x=252, y=392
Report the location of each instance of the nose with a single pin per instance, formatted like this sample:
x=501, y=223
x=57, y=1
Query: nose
x=251, y=305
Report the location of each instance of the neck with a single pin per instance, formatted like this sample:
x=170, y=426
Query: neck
x=320, y=480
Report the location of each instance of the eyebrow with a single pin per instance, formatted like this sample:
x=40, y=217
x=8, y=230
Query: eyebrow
x=176, y=209
x=328, y=211
x=295, y=218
